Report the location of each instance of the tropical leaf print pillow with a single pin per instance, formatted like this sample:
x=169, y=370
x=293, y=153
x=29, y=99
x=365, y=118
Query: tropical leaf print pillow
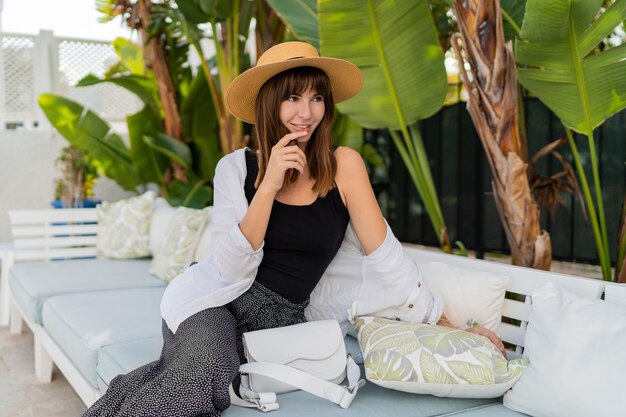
x=124, y=227
x=426, y=359
x=175, y=251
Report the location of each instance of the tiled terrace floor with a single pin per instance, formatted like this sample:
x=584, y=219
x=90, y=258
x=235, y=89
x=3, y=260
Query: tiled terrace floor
x=20, y=393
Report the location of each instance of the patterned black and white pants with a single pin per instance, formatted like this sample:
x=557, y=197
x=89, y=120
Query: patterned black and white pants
x=199, y=362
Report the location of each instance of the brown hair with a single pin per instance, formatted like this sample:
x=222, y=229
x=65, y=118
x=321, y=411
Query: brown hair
x=269, y=128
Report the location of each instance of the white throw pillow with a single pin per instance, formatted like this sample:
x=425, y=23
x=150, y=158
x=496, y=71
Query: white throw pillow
x=466, y=294
x=176, y=249
x=577, y=362
x=124, y=226
x=162, y=214
x=205, y=243
x=437, y=360
x=615, y=294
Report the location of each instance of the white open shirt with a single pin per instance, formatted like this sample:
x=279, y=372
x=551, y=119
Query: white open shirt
x=385, y=283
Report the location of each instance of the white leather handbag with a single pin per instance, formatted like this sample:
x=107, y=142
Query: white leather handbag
x=308, y=356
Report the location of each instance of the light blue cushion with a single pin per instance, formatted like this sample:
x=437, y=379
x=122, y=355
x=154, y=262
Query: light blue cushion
x=31, y=283
x=82, y=323
x=494, y=410
x=122, y=358
x=371, y=401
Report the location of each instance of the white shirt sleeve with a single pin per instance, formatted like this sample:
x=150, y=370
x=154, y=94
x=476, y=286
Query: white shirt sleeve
x=231, y=270
x=232, y=253
x=386, y=283
x=392, y=286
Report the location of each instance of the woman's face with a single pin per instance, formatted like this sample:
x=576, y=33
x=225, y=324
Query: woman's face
x=302, y=112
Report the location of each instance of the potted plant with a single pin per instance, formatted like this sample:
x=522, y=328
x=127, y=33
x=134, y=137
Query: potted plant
x=78, y=176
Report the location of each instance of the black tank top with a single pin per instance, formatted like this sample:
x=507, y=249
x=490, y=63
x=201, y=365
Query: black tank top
x=300, y=241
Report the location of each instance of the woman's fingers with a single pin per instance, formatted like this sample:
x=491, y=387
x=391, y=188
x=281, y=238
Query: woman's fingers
x=483, y=331
x=283, y=147
x=282, y=158
x=283, y=152
x=285, y=140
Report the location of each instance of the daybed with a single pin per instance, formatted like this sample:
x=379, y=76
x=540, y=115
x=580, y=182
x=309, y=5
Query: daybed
x=97, y=318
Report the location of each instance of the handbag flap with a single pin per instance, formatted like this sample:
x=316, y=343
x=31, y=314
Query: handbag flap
x=315, y=340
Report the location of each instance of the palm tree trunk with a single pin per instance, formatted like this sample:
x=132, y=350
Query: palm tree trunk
x=269, y=30
x=156, y=59
x=493, y=106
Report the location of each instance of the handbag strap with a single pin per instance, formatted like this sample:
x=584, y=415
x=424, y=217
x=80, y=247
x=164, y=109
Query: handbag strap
x=338, y=394
x=265, y=401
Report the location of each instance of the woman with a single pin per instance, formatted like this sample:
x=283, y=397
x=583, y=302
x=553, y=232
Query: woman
x=279, y=219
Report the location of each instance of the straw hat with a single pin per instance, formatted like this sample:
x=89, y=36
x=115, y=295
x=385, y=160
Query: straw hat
x=345, y=77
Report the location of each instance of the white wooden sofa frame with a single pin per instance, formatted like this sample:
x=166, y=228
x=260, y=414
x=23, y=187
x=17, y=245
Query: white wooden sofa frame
x=38, y=236
x=47, y=235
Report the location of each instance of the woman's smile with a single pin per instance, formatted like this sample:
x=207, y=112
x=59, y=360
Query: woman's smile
x=302, y=113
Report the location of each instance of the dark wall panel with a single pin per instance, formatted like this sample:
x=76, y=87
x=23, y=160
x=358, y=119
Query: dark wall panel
x=463, y=180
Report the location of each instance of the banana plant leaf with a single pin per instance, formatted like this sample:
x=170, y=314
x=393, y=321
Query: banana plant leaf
x=196, y=194
x=141, y=86
x=300, y=16
x=557, y=61
x=192, y=11
x=131, y=56
x=512, y=17
x=346, y=132
x=84, y=130
x=149, y=164
x=246, y=12
x=395, y=45
x=220, y=10
x=200, y=127
x=170, y=147
x=130, y=60
x=202, y=11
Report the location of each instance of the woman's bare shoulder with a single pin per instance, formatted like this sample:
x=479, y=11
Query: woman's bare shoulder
x=347, y=158
x=351, y=171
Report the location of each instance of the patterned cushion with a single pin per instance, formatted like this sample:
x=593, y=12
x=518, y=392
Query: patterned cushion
x=175, y=251
x=205, y=242
x=162, y=213
x=441, y=361
x=123, y=227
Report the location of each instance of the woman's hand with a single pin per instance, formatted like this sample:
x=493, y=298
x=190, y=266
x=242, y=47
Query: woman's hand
x=483, y=331
x=476, y=329
x=282, y=158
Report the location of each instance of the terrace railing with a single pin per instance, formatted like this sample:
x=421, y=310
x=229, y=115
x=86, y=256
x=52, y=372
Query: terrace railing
x=43, y=63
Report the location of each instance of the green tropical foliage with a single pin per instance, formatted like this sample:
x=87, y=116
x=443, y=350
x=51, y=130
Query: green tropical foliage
x=513, y=16
x=559, y=62
x=397, y=48
x=301, y=19
x=85, y=130
x=300, y=16
x=150, y=153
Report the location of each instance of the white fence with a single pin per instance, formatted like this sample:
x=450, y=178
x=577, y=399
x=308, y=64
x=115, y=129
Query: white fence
x=29, y=66
x=32, y=65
